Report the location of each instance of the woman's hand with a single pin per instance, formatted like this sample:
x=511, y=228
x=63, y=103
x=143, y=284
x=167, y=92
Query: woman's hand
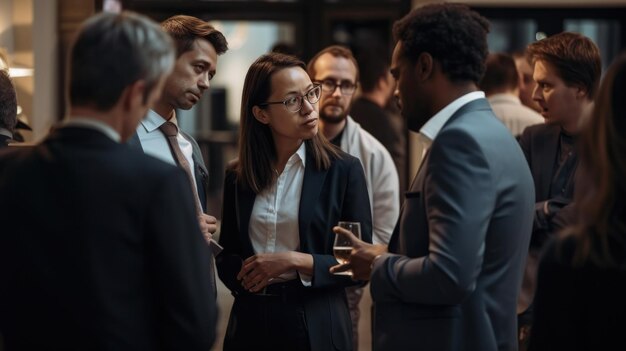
x=259, y=269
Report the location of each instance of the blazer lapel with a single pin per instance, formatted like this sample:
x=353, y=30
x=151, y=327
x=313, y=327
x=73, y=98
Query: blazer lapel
x=245, y=202
x=311, y=189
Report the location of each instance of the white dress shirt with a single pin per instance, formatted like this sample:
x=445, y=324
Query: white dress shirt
x=154, y=142
x=429, y=131
x=274, y=219
x=94, y=124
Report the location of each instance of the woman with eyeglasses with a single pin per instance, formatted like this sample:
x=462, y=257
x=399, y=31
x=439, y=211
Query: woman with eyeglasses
x=282, y=197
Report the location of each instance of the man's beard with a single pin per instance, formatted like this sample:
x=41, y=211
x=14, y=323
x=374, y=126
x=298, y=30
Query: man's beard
x=333, y=119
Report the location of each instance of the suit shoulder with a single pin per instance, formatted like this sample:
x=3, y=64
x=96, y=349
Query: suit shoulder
x=142, y=163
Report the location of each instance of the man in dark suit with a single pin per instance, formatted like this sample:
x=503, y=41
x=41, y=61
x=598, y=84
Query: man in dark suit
x=452, y=274
x=8, y=108
x=567, y=69
x=197, y=46
x=103, y=250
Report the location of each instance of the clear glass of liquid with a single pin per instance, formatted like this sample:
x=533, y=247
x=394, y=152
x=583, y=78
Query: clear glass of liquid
x=343, y=245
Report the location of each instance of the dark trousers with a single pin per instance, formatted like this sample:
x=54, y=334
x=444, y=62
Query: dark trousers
x=275, y=321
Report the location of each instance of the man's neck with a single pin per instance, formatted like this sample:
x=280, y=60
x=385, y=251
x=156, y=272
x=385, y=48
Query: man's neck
x=331, y=130
x=449, y=93
x=164, y=110
x=108, y=117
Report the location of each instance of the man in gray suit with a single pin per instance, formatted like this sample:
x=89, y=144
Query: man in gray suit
x=453, y=269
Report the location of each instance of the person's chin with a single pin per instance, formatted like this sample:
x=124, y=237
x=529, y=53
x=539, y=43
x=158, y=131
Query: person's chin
x=185, y=105
x=332, y=118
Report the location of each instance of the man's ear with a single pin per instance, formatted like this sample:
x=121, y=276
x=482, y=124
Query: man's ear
x=581, y=92
x=133, y=95
x=424, y=66
x=260, y=115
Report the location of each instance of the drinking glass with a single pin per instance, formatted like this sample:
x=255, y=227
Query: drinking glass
x=343, y=245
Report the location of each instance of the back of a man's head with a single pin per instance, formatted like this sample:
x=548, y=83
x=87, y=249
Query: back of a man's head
x=500, y=75
x=575, y=57
x=8, y=102
x=373, y=65
x=452, y=34
x=113, y=51
x=185, y=30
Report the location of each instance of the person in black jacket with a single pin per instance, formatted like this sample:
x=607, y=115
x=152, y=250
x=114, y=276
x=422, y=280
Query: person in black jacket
x=282, y=197
x=581, y=284
x=88, y=260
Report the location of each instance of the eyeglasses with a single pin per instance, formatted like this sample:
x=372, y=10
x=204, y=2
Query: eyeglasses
x=345, y=87
x=294, y=103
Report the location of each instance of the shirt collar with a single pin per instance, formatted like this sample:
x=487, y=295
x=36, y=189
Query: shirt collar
x=6, y=132
x=301, y=154
x=153, y=121
x=90, y=123
x=436, y=122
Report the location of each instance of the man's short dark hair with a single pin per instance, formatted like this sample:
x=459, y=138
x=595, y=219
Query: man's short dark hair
x=186, y=29
x=575, y=57
x=500, y=74
x=8, y=102
x=373, y=65
x=453, y=34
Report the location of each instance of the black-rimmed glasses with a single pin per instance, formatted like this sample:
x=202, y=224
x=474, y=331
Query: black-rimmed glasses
x=294, y=103
x=345, y=87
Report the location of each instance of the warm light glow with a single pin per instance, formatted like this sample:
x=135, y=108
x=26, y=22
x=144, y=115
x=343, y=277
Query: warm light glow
x=15, y=72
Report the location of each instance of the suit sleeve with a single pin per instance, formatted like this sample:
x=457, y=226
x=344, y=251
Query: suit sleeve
x=460, y=199
x=180, y=262
x=356, y=207
x=547, y=217
x=229, y=261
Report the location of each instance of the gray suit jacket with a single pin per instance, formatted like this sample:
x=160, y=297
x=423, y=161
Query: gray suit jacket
x=460, y=243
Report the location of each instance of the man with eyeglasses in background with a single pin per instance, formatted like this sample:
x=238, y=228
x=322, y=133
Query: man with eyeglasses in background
x=336, y=69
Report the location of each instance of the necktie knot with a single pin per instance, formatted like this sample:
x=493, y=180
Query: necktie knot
x=169, y=129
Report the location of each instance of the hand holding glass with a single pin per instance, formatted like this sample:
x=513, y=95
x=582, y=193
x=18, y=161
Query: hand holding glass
x=343, y=245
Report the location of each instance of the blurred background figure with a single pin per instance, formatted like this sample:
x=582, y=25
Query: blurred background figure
x=526, y=82
x=8, y=108
x=375, y=109
x=567, y=69
x=500, y=84
x=581, y=283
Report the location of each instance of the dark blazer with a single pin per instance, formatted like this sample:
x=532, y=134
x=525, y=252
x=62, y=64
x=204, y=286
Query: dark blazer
x=540, y=144
x=460, y=243
x=200, y=171
x=328, y=196
x=100, y=250
x=579, y=308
